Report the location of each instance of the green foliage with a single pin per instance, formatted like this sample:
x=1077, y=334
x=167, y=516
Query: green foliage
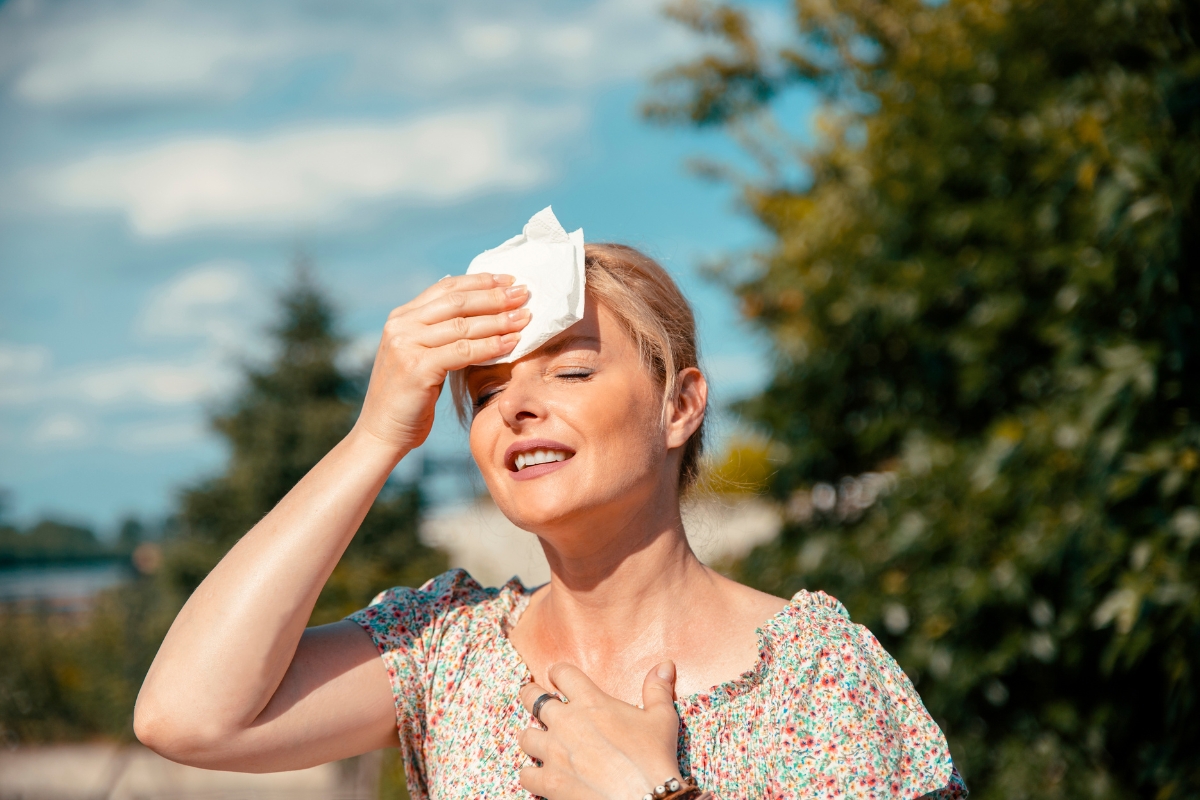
x=985, y=286
x=393, y=784
x=67, y=677
x=52, y=540
x=746, y=466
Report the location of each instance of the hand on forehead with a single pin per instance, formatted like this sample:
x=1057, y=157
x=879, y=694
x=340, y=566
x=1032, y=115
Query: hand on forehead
x=589, y=334
x=550, y=263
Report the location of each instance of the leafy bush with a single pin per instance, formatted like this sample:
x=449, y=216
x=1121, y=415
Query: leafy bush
x=981, y=283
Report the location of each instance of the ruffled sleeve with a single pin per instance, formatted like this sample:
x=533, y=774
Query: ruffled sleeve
x=855, y=726
x=414, y=630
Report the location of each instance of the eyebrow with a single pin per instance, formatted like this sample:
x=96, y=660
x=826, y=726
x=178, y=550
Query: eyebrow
x=554, y=348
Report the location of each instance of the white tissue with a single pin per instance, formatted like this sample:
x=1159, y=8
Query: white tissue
x=549, y=261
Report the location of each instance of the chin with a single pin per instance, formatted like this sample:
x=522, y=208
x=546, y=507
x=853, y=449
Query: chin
x=542, y=504
x=558, y=505
x=536, y=511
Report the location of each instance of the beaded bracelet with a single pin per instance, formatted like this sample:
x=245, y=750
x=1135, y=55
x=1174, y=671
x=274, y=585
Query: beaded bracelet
x=675, y=789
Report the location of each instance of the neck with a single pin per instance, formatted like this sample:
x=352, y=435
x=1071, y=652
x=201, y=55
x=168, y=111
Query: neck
x=619, y=588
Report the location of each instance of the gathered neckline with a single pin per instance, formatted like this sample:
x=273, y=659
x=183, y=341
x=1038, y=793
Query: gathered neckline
x=516, y=597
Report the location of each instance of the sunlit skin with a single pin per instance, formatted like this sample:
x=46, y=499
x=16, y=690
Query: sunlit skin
x=585, y=389
x=630, y=616
x=626, y=590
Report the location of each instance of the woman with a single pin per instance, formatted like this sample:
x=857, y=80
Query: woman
x=669, y=670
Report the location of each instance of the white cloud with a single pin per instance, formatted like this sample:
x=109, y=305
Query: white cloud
x=18, y=360
x=314, y=174
x=60, y=428
x=122, y=382
x=148, y=381
x=122, y=51
x=215, y=301
x=535, y=45
x=162, y=53
x=159, y=435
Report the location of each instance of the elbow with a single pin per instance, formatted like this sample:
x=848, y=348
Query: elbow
x=150, y=727
x=168, y=733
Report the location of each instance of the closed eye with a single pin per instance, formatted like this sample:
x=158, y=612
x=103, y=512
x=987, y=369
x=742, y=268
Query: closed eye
x=484, y=397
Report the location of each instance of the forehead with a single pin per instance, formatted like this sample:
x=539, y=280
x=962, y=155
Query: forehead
x=592, y=332
x=597, y=333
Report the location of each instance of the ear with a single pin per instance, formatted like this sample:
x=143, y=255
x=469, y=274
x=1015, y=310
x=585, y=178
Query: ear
x=686, y=411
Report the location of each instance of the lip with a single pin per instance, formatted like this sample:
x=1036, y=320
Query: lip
x=529, y=445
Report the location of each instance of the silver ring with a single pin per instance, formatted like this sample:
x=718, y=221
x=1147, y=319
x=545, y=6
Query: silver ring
x=544, y=698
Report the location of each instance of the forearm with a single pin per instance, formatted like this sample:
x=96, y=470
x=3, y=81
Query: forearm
x=232, y=643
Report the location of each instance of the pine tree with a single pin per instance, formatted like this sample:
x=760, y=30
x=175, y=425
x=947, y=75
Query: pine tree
x=75, y=678
x=289, y=414
x=982, y=287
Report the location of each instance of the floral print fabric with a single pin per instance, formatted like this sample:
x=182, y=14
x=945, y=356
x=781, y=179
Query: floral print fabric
x=824, y=713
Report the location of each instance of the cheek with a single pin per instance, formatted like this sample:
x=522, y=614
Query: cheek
x=627, y=426
x=482, y=438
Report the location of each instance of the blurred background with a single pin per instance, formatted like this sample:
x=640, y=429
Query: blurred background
x=944, y=257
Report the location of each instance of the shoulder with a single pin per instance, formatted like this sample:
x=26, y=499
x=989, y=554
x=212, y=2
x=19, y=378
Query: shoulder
x=856, y=719
x=815, y=632
x=452, y=599
x=751, y=607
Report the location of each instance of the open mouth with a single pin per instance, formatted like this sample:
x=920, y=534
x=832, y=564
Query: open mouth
x=535, y=453
x=540, y=457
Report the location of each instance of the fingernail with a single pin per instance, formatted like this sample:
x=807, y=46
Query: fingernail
x=503, y=280
x=510, y=338
x=517, y=291
x=518, y=314
x=666, y=670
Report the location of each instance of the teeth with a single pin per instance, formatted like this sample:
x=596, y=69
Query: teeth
x=536, y=457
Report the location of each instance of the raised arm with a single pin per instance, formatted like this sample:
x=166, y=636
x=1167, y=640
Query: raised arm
x=239, y=683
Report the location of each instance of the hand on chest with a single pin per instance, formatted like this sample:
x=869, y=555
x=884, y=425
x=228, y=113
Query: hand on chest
x=704, y=657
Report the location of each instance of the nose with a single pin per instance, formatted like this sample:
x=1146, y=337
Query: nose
x=520, y=403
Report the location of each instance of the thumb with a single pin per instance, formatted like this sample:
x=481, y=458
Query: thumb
x=659, y=686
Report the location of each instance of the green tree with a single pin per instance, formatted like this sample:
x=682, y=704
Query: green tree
x=76, y=676
x=288, y=416
x=981, y=284
x=49, y=540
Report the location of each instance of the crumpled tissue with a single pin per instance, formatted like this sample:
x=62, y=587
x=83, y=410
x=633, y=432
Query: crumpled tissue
x=548, y=260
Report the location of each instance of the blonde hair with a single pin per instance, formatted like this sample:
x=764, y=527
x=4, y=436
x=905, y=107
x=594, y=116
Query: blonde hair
x=653, y=313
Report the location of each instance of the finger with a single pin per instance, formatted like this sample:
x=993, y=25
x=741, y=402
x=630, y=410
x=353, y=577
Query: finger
x=537, y=781
x=465, y=352
x=554, y=784
x=658, y=690
x=472, y=303
x=461, y=283
x=529, y=695
x=535, y=742
x=571, y=682
x=452, y=330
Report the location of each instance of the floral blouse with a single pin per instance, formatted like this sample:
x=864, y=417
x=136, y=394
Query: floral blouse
x=824, y=713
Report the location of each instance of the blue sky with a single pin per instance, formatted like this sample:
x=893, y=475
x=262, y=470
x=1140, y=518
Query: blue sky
x=162, y=162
